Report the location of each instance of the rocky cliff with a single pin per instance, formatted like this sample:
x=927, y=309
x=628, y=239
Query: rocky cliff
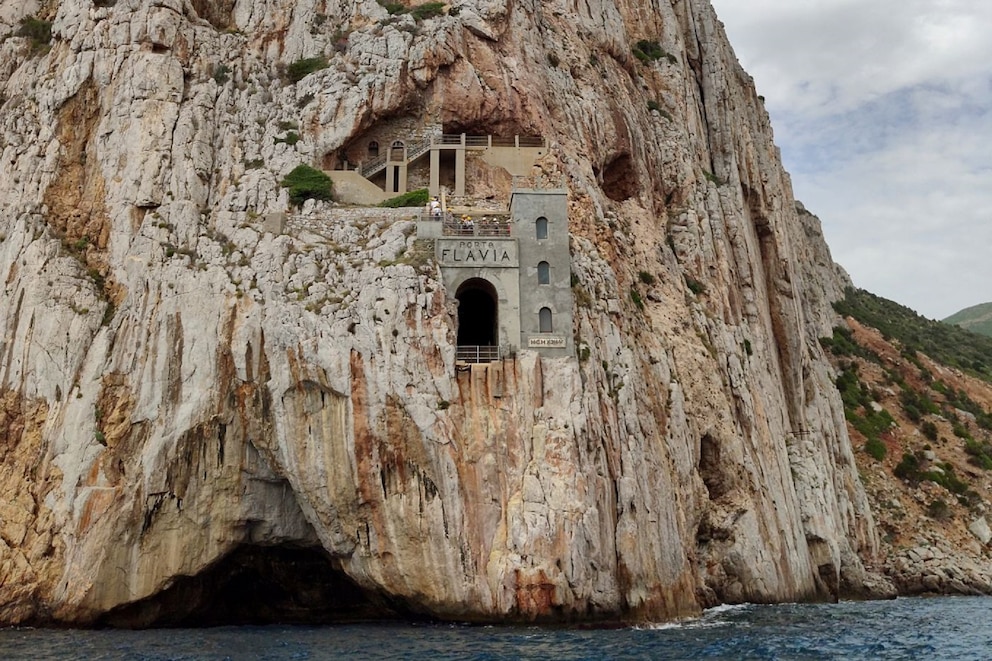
x=190, y=400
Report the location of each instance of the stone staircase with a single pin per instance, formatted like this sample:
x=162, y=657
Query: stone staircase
x=413, y=151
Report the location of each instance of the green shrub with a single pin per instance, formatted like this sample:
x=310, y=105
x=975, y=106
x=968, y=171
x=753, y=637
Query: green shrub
x=290, y=139
x=980, y=454
x=929, y=430
x=650, y=51
x=947, y=478
x=938, y=510
x=393, y=7
x=37, y=31
x=695, y=286
x=916, y=404
x=222, y=74
x=646, y=278
x=875, y=449
x=427, y=10
x=843, y=344
x=306, y=183
x=908, y=468
x=961, y=431
x=414, y=198
x=713, y=178
x=959, y=399
x=300, y=69
x=636, y=297
x=653, y=105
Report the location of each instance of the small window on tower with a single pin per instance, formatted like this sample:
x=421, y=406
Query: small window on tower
x=542, y=228
x=543, y=273
x=545, y=319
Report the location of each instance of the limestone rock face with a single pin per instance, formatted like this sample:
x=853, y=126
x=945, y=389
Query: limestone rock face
x=177, y=383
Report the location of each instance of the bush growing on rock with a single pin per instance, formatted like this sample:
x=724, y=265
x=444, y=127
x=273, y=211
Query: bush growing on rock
x=415, y=198
x=37, y=31
x=300, y=69
x=938, y=510
x=427, y=10
x=875, y=448
x=306, y=183
x=651, y=51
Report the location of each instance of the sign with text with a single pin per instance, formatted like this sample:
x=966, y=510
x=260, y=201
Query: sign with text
x=477, y=253
x=546, y=342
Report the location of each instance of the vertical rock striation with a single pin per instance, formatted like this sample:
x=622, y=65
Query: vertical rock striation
x=177, y=383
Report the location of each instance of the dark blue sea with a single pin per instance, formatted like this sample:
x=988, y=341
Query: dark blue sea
x=917, y=629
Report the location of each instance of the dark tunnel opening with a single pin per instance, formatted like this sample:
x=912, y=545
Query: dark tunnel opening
x=477, y=313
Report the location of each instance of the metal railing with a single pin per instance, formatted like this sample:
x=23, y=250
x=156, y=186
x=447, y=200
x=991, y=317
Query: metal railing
x=469, y=353
x=537, y=182
x=417, y=149
x=373, y=166
x=453, y=227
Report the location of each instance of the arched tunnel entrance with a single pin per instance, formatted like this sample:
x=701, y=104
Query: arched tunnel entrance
x=478, y=315
x=256, y=585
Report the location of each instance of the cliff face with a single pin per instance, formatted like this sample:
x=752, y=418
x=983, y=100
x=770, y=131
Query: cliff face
x=178, y=384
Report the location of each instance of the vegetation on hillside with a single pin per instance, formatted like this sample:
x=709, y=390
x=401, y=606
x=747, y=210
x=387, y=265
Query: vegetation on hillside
x=947, y=344
x=415, y=198
x=306, y=183
x=300, y=69
x=38, y=32
x=419, y=12
x=919, y=422
x=977, y=319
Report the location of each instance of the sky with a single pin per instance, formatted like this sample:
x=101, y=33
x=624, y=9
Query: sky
x=883, y=112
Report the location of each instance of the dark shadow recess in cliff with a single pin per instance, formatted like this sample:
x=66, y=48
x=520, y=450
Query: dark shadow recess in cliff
x=256, y=585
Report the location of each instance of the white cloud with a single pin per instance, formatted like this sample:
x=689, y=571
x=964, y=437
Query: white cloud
x=883, y=111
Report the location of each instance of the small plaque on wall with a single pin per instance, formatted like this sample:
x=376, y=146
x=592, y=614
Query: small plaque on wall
x=549, y=341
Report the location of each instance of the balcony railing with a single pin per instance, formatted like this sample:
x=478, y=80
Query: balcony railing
x=415, y=150
x=476, y=228
x=468, y=353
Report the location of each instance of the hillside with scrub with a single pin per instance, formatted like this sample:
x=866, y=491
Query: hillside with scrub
x=918, y=401
x=977, y=319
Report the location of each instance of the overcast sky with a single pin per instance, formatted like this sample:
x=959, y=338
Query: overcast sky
x=883, y=112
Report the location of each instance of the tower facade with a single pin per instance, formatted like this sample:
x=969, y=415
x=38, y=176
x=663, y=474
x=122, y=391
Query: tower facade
x=512, y=279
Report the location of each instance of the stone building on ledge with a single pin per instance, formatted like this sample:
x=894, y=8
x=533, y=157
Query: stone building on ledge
x=511, y=276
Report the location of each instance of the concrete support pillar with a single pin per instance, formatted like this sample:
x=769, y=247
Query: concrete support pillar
x=391, y=179
x=460, y=169
x=435, y=185
x=402, y=175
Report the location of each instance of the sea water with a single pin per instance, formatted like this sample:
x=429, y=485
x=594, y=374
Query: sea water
x=917, y=629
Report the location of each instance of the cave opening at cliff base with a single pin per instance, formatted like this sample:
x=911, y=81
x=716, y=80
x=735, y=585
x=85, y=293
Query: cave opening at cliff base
x=259, y=585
